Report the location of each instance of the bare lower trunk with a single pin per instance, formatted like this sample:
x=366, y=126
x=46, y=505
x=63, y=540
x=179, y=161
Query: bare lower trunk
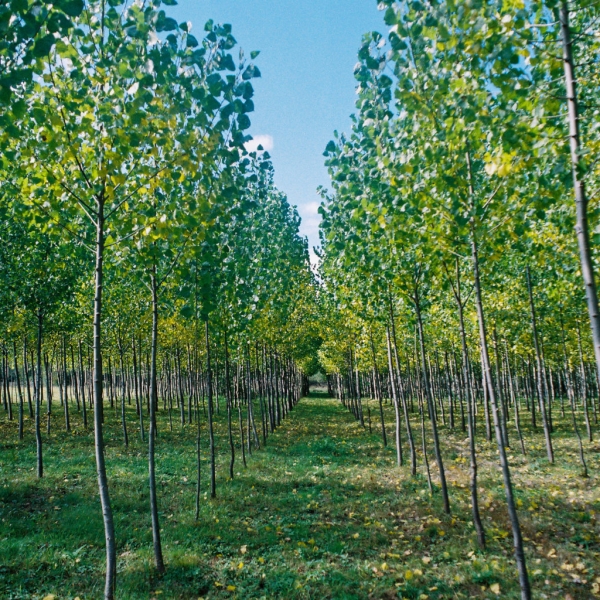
x=540, y=386
x=512, y=509
x=470, y=417
x=19, y=390
x=109, y=528
x=411, y=441
x=394, y=399
x=158, y=556
x=429, y=398
x=211, y=434
x=38, y=399
x=228, y=400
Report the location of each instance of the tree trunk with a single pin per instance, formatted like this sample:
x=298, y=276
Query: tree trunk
x=38, y=399
x=470, y=417
x=581, y=202
x=158, y=556
x=428, y=396
x=394, y=399
x=411, y=441
x=540, y=373
x=228, y=400
x=82, y=379
x=512, y=509
x=109, y=528
x=19, y=391
x=211, y=433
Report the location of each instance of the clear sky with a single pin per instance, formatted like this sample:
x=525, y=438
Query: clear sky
x=307, y=90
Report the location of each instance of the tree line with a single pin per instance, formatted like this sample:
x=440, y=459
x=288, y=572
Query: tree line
x=458, y=238
x=148, y=263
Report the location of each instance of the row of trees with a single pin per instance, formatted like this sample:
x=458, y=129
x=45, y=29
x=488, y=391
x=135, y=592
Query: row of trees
x=449, y=261
x=146, y=256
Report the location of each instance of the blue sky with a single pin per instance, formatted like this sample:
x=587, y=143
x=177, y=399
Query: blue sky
x=307, y=90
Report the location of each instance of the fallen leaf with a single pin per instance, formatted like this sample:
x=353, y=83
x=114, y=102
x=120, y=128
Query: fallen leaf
x=495, y=588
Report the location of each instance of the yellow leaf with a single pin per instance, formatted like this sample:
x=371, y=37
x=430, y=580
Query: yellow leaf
x=384, y=567
x=495, y=588
x=231, y=588
x=50, y=597
x=504, y=169
x=491, y=168
x=244, y=549
x=426, y=559
x=408, y=575
x=261, y=560
x=241, y=565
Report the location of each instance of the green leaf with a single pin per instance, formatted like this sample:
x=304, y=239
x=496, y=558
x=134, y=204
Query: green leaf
x=19, y=109
x=43, y=46
x=73, y=8
x=243, y=121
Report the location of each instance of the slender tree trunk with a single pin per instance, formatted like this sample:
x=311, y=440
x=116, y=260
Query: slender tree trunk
x=378, y=394
x=109, y=528
x=584, y=390
x=38, y=399
x=26, y=370
x=512, y=509
x=123, y=392
x=251, y=421
x=19, y=391
x=64, y=386
x=137, y=380
x=428, y=396
x=514, y=399
x=581, y=202
x=409, y=434
x=540, y=373
x=211, y=433
x=82, y=379
x=470, y=417
x=424, y=441
x=571, y=395
x=501, y=398
x=394, y=399
x=228, y=399
x=158, y=555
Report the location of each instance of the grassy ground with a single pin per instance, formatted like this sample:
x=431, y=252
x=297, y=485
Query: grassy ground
x=321, y=512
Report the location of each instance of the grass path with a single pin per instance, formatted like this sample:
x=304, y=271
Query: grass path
x=321, y=512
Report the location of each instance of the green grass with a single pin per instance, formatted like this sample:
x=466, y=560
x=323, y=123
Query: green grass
x=321, y=512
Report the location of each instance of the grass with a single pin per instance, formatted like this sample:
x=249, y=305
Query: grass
x=321, y=512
